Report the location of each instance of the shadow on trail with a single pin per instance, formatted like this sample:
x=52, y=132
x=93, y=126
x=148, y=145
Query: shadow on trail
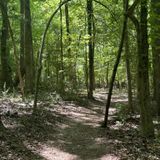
x=71, y=131
x=59, y=134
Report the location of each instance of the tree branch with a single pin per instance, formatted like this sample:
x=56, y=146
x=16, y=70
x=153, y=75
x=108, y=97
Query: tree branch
x=132, y=7
x=100, y=3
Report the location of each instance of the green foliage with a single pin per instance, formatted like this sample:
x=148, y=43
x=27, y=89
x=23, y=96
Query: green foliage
x=107, y=37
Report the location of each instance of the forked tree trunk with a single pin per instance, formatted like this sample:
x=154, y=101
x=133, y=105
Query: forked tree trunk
x=2, y=5
x=142, y=71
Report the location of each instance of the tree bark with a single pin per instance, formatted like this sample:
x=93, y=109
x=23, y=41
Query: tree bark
x=127, y=55
x=61, y=85
x=22, y=61
x=28, y=49
x=6, y=69
x=90, y=48
x=155, y=36
x=143, y=76
x=40, y=54
x=115, y=67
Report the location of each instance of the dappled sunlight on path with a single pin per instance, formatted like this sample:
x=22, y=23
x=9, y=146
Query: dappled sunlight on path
x=70, y=131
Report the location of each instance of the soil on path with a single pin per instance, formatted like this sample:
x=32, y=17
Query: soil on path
x=72, y=131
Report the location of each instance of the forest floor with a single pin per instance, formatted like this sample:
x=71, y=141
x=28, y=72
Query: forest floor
x=71, y=130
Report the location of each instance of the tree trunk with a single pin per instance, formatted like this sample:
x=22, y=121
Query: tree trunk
x=155, y=35
x=72, y=61
x=1, y=125
x=115, y=67
x=22, y=61
x=127, y=55
x=40, y=55
x=22, y=56
x=6, y=69
x=90, y=48
x=61, y=84
x=143, y=77
x=28, y=49
x=127, y=52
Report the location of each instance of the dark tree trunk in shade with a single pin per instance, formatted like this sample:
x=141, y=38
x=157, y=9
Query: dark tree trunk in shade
x=22, y=61
x=28, y=50
x=127, y=56
x=155, y=41
x=90, y=48
x=115, y=67
x=143, y=76
x=6, y=75
x=72, y=60
x=61, y=80
x=127, y=52
x=143, y=94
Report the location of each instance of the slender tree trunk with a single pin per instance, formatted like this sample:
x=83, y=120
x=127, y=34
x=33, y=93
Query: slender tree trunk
x=127, y=55
x=155, y=35
x=22, y=62
x=72, y=61
x=6, y=69
x=61, y=85
x=40, y=55
x=107, y=75
x=28, y=49
x=90, y=48
x=22, y=56
x=93, y=45
x=115, y=67
x=1, y=125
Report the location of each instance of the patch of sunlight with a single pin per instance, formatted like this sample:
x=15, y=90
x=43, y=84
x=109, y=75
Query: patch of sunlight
x=110, y=157
x=52, y=153
x=63, y=126
x=49, y=152
x=112, y=111
x=120, y=100
x=100, y=140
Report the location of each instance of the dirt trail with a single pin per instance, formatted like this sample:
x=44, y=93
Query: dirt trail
x=69, y=131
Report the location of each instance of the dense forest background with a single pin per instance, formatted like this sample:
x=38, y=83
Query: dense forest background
x=74, y=49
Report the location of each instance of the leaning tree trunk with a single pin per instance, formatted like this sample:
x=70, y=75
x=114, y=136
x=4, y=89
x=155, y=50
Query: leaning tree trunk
x=40, y=54
x=116, y=66
x=28, y=49
x=90, y=48
x=6, y=69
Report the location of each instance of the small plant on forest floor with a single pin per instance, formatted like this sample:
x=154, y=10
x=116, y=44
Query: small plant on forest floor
x=122, y=112
x=5, y=91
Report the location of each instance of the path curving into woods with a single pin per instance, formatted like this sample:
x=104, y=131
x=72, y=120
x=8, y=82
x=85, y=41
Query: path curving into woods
x=68, y=130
